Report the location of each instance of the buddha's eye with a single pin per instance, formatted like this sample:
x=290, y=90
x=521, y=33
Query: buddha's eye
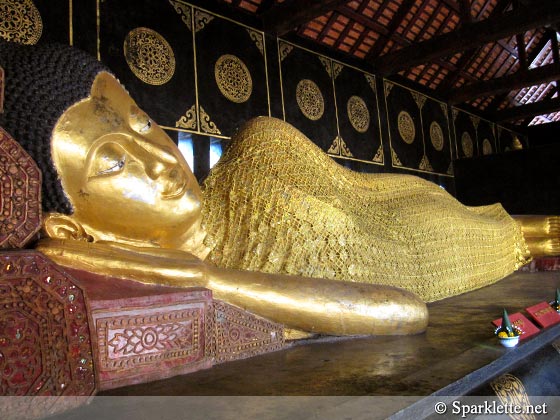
x=139, y=121
x=109, y=158
x=147, y=126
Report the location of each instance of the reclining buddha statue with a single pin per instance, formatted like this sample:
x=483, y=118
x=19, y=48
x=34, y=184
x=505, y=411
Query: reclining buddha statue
x=278, y=228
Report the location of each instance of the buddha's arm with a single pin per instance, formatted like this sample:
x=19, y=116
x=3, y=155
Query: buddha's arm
x=321, y=305
x=309, y=304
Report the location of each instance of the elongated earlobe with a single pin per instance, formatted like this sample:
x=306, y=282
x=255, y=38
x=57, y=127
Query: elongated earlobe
x=62, y=226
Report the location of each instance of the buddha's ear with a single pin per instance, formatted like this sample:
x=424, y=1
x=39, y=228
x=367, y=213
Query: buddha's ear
x=63, y=226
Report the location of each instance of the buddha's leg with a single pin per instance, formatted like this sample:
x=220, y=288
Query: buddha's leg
x=539, y=226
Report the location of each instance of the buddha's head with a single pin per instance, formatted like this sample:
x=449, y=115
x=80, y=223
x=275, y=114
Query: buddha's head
x=109, y=172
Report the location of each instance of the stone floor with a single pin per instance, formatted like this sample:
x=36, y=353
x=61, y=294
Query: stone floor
x=352, y=378
x=459, y=340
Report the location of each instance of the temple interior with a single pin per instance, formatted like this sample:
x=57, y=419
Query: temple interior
x=102, y=297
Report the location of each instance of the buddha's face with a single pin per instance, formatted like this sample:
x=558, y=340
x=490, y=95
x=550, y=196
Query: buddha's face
x=125, y=178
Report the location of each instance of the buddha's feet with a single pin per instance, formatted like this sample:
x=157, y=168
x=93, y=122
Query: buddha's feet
x=539, y=226
x=544, y=247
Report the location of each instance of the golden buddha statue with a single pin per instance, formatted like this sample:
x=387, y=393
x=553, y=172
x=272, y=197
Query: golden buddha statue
x=279, y=229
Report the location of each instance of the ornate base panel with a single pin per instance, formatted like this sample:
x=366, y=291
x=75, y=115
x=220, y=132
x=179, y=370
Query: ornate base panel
x=237, y=334
x=45, y=347
x=20, y=194
x=145, y=338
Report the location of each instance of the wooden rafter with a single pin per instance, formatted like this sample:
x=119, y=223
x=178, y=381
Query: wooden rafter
x=521, y=52
x=284, y=17
x=478, y=33
x=532, y=56
x=468, y=55
x=518, y=80
x=396, y=21
x=546, y=106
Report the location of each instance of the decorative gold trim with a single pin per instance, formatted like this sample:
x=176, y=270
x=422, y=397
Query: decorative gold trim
x=378, y=158
x=358, y=114
x=436, y=136
x=310, y=99
x=418, y=98
x=339, y=147
x=70, y=23
x=510, y=390
x=405, y=125
x=344, y=150
x=233, y=78
x=475, y=120
x=2, y=86
x=371, y=82
x=149, y=56
x=326, y=62
x=444, y=109
x=335, y=147
x=201, y=19
x=21, y=22
x=467, y=144
x=388, y=87
x=425, y=164
x=487, y=148
x=395, y=158
x=185, y=11
x=284, y=50
x=450, y=169
x=454, y=113
x=336, y=69
x=188, y=120
x=258, y=39
x=206, y=125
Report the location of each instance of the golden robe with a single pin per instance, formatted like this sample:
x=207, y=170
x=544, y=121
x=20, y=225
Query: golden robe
x=277, y=203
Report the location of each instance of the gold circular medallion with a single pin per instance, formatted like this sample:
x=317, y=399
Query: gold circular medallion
x=309, y=99
x=149, y=56
x=467, y=144
x=20, y=21
x=358, y=114
x=436, y=136
x=487, y=147
x=233, y=78
x=406, y=127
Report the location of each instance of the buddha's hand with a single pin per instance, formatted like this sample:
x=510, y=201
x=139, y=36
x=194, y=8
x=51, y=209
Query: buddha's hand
x=147, y=265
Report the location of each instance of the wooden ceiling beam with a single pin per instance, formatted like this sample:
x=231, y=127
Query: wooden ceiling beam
x=470, y=54
x=514, y=81
x=546, y=106
x=396, y=21
x=284, y=17
x=465, y=12
x=532, y=56
x=265, y=6
x=470, y=36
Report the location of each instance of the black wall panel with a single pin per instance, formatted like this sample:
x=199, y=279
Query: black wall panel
x=232, y=79
x=158, y=65
x=199, y=73
x=358, y=114
x=465, y=134
x=307, y=93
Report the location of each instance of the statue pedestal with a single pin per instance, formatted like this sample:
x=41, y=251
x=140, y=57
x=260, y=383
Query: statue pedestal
x=143, y=333
x=71, y=333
